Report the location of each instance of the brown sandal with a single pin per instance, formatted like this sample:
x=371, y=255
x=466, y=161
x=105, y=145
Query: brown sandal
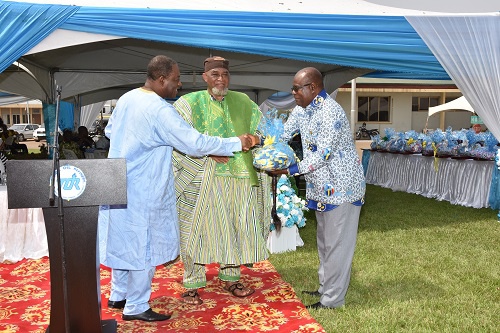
x=239, y=290
x=192, y=297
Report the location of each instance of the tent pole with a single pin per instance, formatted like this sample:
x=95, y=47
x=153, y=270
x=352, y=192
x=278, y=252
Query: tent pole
x=442, y=114
x=354, y=107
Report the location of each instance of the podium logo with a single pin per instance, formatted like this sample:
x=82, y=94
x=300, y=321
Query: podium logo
x=73, y=182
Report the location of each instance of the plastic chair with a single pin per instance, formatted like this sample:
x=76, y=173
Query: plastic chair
x=69, y=154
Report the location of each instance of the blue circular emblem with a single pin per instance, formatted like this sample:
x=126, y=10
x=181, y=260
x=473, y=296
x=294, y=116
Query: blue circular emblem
x=73, y=182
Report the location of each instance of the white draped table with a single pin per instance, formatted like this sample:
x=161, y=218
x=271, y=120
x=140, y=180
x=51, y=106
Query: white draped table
x=22, y=232
x=461, y=182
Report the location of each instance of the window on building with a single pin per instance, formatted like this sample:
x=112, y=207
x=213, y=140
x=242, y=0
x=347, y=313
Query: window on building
x=16, y=119
x=423, y=103
x=374, y=109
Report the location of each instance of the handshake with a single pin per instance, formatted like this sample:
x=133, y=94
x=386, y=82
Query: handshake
x=248, y=141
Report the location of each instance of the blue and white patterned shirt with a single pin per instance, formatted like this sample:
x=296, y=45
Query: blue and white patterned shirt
x=331, y=165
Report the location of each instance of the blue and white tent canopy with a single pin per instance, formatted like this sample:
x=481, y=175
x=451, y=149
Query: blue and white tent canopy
x=96, y=53
x=266, y=42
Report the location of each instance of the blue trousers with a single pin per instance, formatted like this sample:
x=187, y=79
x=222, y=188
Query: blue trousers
x=134, y=286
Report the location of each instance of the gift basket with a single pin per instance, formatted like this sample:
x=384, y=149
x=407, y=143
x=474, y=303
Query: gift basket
x=397, y=143
x=460, y=144
x=488, y=149
x=387, y=140
x=274, y=154
x=457, y=141
x=436, y=144
x=374, y=145
x=413, y=142
x=427, y=145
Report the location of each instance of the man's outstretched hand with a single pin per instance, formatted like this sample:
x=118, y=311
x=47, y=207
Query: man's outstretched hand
x=248, y=141
x=219, y=159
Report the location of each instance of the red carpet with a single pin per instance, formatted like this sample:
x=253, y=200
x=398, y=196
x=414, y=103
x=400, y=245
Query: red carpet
x=274, y=307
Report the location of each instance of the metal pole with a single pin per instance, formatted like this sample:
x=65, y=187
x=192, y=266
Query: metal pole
x=28, y=112
x=354, y=107
x=55, y=159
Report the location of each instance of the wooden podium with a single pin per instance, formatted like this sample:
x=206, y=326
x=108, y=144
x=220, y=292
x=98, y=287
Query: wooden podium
x=72, y=235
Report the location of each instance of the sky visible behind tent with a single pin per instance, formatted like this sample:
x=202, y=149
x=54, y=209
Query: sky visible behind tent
x=445, y=6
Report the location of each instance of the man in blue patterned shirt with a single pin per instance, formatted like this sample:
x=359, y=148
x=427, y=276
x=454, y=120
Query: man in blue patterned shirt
x=335, y=182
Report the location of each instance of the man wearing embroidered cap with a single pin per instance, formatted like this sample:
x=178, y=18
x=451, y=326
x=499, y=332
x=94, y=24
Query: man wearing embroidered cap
x=335, y=182
x=136, y=237
x=220, y=203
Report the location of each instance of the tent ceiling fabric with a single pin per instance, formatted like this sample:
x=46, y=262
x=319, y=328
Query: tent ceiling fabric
x=95, y=49
x=265, y=41
x=122, y=64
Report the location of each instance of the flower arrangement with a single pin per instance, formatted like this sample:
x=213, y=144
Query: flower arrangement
x=289, y=206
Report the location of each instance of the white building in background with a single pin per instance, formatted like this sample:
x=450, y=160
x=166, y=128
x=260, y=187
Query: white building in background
x=399, y=104
x=403, y=104
x=24, y=112
x=382, y=103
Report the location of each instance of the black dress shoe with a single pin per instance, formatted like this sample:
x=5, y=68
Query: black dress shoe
x=311, y=293
x=318, y=305
x=117, y=304
x=148, y=315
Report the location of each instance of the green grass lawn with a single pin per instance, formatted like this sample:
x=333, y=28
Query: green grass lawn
x=420, y=265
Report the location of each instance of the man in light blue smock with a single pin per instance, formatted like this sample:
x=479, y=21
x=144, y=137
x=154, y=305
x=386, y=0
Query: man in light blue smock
x=133, y=239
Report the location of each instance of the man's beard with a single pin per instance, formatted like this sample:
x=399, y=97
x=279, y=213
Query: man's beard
x=218, y=92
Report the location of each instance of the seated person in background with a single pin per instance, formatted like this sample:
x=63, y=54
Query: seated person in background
x=83, y=139
x=102, y=143
x=3, y=130
x=477, y=128
x=68, y=143
x=13, y=145
x=3, y=158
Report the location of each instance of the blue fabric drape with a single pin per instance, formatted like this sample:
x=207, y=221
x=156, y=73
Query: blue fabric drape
x=494, y=198
x=49, y=120
x=22, y=26
x=365, y=160
x=66, y=116
x=66, y=120
x=384, y=43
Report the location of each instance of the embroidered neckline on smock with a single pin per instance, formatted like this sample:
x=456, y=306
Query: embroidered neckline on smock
x=215, y=99
x=319, y=99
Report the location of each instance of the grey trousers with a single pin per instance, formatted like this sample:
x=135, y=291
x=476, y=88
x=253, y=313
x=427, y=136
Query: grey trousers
x=336, y=237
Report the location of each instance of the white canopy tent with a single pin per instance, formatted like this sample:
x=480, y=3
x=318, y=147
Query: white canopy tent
x=457, y=104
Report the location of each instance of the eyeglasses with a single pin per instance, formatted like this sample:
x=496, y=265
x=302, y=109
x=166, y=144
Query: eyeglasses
x=223, y=76
x=297, y=88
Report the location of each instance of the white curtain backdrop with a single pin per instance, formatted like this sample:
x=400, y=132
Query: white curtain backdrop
x=89, y=113
x=285, y=102
x=468, y=48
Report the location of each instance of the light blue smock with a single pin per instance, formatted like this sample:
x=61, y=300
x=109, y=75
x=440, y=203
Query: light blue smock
x=144, y=129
